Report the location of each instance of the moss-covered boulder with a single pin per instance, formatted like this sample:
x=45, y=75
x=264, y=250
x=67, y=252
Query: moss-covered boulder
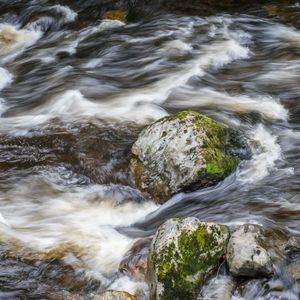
x=183, y=253
x=182, y=151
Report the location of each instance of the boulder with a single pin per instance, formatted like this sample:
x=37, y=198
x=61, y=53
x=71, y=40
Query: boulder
x=183, y=253
x=114, y=295
x=183, y=151
x=245, y=256
x=134, y=263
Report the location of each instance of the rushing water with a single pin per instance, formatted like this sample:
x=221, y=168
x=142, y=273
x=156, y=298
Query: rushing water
x=75, y=93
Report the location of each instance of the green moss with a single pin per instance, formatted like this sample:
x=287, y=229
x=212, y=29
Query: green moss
x=183, y=267
x=218, y=164
x=213, y=169
x=201, y=121
x=181, y=115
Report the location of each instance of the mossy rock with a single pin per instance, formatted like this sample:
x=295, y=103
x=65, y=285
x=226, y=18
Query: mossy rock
x=183, y=254
x=181, y=151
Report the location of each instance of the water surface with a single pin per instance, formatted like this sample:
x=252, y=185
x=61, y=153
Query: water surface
x=75, y=93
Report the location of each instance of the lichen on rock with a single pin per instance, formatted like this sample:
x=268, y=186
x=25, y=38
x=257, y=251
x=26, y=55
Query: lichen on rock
x=183, y=253
x=180, y=151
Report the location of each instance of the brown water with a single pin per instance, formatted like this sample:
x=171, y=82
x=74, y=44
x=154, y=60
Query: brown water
x=75, y=93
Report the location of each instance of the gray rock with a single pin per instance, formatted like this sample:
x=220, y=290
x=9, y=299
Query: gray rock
x=245, y=256
x=183, y=253
x=179, y=151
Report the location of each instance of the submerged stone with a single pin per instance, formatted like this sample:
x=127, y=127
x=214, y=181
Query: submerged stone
x=183, y=253
x=117, y=14
x=245, y=256
x=134, y=263
x=186, y=150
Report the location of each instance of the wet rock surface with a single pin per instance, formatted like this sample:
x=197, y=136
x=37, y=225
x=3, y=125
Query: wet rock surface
x=135, y=260
x=245, y=256
x=184, y=252
x=180, y=151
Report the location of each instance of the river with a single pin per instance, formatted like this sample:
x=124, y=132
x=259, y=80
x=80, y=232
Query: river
x=74, y=94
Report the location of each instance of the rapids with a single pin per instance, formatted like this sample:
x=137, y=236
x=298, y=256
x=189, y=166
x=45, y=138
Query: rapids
x=74, y=94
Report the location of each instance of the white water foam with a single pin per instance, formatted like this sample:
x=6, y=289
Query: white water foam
x=68, y=13
x=176, y=48
x=279, y=73
x=219, y=287
x=140, y=105
x=109, y=24
x=72, y=105
x=3, y=221
x=215, y=55
x=280, y=33
x=156, y=94
x=5, y=78
x=73, y=39
x=14, y=41
x=268, y=107
x=85, y=218
x=266, y=151
x=127, y=284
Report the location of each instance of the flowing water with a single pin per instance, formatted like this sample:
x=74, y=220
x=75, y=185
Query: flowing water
x=75, y=93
